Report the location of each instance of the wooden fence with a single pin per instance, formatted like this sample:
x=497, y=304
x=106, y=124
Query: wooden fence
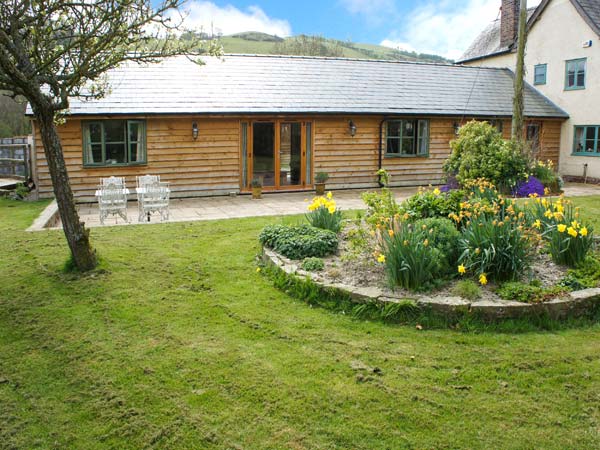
x=15, y=158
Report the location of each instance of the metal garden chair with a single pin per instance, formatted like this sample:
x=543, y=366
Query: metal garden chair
x=112, y=198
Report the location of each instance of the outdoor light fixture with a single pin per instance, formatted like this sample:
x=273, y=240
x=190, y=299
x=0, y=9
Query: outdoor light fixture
x=195, y=130
x=456, y=127
x=352, y=128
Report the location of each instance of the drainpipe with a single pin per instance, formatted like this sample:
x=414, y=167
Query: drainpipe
x=585, y=166
x=380, y=162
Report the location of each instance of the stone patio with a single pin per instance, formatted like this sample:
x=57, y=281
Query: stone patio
x=272, y=204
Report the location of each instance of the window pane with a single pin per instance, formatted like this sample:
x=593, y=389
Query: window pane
x=580, y=79
x=590, y=139
x=96, y=153
x=393, y=128
x=408, y=146
x=134, y=147
x=114, y=131
x=135, y=132
x=579, y=142
x=393, y=145
x=422, y=146
x=95, y=130
x=116, y=154
x=408, y=128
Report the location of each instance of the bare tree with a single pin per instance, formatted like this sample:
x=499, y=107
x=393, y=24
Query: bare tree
x=51, y=50
x=518, y=104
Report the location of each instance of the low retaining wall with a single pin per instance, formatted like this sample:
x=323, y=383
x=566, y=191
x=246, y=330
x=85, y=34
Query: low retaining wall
x=578, y=304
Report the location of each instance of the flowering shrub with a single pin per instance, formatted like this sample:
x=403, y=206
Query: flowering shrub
x=569, y=241
x=431, y=202
x=480, y=152
x=532, y=186
x=381, y=206
x=300, y=241
x=410, y=259
x=323, y=213
x=546, y=173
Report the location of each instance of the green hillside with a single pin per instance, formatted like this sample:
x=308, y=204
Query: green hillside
x=261, y=43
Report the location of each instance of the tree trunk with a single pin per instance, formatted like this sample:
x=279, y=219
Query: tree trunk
x=518, y=105
x=77, y=236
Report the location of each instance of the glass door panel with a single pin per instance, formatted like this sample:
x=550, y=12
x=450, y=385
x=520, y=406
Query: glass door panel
x=290, y=154
x=263, y=152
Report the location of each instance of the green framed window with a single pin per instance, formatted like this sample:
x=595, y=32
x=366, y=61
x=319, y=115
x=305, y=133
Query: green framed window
x=539, y=73
x=585, y=142
x=114, y=142
x=575, y=74
x=407, y=137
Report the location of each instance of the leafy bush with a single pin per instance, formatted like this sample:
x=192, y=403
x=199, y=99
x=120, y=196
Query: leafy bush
x=528, y=293
x=324, y=214
x=410, y=260
x=467, y=289
x=381, y=206
x=586, y=275
x=300, y=241
x=444, y=236
x=313, y=264
x=432, y=203
x=547, y=175
x=531, y=187
x=494, y=249
x=480, y=152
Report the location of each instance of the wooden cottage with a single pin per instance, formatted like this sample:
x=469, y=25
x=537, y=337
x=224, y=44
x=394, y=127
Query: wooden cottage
x=212, y=128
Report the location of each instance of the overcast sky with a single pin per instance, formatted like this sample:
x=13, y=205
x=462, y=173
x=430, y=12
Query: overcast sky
x=444, y=27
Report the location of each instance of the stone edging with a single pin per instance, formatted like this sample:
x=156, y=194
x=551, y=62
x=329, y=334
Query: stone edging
x=579, y=303
x=48, y=218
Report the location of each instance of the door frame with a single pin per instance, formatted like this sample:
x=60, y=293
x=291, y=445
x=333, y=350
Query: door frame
x=277, y=163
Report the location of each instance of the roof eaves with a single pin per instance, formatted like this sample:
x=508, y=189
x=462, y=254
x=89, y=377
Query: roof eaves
x=488, y=55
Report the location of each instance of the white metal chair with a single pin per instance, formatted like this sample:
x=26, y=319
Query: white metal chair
x=154, y=197
x=116, y=181
x=112, y=199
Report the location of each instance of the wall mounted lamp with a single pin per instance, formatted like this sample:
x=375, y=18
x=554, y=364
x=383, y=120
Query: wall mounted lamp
x=456, y=128
x=352, y=128
x=195, y=130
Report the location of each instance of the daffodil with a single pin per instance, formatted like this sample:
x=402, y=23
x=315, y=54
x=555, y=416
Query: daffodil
x=331, y=209
x=572, y=232
x=436, y=191
x=583, y=231
x=462, y=269
x=381, y=258
x=548, y=214
x=258, y=269
x=329, y=195
x=575, y=224
x=483, y=279
x=391, y=233
x=561, y=228
x=426, y=242
x=537, y=223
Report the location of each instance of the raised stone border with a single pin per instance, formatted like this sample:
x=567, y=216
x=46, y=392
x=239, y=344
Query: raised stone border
x=579, y=303
x=47, y=219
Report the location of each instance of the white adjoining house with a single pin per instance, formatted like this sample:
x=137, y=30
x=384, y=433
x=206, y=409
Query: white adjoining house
x=563, y=62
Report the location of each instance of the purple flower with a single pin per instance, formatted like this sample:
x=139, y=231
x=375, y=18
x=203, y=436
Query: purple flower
x=531, y=186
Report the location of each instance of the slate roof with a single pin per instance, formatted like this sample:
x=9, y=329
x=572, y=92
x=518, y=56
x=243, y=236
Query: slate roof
x=259, y=84
x=488, y=42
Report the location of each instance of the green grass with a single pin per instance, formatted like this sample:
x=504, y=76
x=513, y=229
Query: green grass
x=177, y=342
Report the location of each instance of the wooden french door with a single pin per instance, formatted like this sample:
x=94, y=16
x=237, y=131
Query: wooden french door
x=276, y=154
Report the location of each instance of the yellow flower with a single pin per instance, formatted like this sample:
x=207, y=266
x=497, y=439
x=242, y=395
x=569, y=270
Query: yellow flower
x=537, y=224
x=329, y=195
x=405, y=242
x=372, y=232
x=381, y=258
x=477, y=251
x=548, y=214
x=462, y=269
x=583, y=231
x=561, y=228
x=533, y=195
x=331, y=209
x=483, y=279
x=546, y=191
x=258, y=269
x=426, y=242
x=436, y=191
x=575, y=224
x=572, y=231
x=391, y=233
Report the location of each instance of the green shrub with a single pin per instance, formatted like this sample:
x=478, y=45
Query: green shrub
x=480, y=152
x=528, y=293
x=467, y=289
x=300, y=241
x=410, y=260
x=547, y=175
x=313, y=264
x=585, y=275
x=496, y=249
x=444, y=236
x=381, y=206
x=323, y=213
x=432, y=203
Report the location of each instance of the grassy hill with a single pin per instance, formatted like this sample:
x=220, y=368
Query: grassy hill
x=261, y=43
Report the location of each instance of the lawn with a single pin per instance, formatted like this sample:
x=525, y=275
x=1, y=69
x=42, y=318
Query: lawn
x=178, y=342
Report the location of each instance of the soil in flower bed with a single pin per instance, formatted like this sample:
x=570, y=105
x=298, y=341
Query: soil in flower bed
x=355, y=265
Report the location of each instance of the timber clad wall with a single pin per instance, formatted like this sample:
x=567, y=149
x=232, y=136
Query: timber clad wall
x=210, y=165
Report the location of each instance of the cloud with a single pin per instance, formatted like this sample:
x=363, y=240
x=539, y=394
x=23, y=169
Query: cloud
x=445, y=27
x=374, y=11
x=229, y=19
